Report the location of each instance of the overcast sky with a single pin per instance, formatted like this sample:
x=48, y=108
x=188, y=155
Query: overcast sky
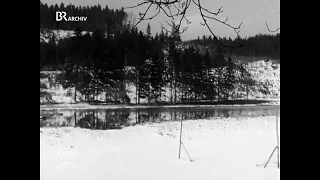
x=253, y=13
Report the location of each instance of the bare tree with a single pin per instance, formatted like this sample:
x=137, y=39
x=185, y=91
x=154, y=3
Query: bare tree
x=177, y=9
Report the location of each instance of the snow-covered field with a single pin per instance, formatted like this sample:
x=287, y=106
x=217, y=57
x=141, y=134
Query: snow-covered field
x=221, y=149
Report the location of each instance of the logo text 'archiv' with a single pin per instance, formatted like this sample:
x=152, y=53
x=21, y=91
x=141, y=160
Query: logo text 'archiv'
x=61, y=15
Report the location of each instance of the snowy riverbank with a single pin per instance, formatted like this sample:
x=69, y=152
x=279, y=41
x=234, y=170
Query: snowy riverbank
x=222, y=149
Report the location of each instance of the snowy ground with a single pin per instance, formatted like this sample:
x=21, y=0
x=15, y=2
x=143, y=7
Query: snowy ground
x=222, y=149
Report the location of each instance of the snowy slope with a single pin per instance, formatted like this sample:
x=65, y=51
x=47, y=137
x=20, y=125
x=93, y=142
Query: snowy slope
x=265, y=73
x=267, y=77
x=222, y=149
x=59, y=34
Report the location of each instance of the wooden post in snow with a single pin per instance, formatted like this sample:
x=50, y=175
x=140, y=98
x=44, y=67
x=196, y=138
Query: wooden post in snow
x=180, y=138
x=278, y=141
x=277, y=147
x=180, y=143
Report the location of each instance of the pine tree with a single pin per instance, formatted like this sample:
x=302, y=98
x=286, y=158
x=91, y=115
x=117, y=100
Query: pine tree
x=230, y=78
x=148, y=31
x=218, y=63
x=171, y=72
x=209, y=90
x=246, y=81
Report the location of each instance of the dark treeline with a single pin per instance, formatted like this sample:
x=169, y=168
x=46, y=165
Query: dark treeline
x=256, y=46
x=97, y=17
x=106, y=63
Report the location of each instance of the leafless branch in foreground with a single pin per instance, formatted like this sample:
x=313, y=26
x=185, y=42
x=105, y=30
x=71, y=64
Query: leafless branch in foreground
x=176, y=9
x=272, y=30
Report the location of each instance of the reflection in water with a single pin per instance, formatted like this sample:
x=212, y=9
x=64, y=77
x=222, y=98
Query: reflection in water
x=118, y=118
x=94, y=119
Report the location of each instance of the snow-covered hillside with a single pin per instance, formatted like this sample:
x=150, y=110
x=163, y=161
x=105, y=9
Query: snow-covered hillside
x=59, y=34
x=266, y=74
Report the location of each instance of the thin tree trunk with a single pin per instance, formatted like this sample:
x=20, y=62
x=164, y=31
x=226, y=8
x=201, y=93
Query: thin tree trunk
x=137, y=88
x=218, y=91
x=165, y=95
x=96, y=90
x=75, y=93
x=247, y=94
x=148, y=97
x=182, y=90
x=106, y=91
x=175, y=91
x=171, y=99
x=196, y=96
x=93, y=119
x=77, y=81
x=160, y=96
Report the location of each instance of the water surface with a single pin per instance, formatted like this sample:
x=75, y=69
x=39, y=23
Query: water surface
x=118, y=118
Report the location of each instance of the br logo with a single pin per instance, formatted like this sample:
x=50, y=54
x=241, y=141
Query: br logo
x=68, y=158
x=61, y=15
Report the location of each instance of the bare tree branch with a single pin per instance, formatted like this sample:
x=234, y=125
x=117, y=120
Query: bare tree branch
x=180, y=7
x=142, y=15
x=216, y=13
x=236, y=29
x=162, y=27
x=272, y=30
x=164, y=2
x=139, y=4
x=183, y=13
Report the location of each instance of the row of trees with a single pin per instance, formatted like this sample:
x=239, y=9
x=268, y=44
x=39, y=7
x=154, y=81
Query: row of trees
x=107, y=63
x=255, y=46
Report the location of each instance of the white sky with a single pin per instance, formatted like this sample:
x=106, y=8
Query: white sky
x=253, y=13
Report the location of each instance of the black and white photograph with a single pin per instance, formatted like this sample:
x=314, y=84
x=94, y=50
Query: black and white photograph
x=160, y=89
